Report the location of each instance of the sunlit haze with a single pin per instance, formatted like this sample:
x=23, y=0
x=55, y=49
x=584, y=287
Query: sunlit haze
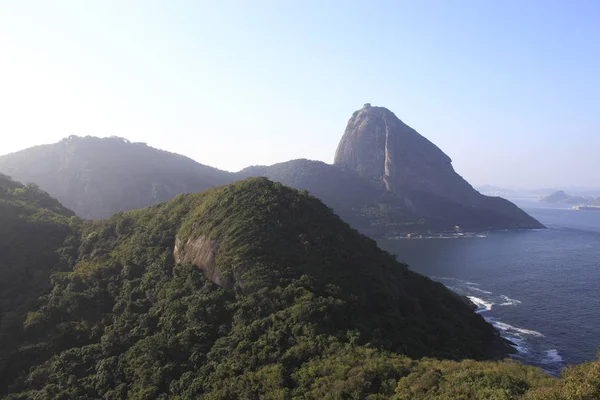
x=510, y=90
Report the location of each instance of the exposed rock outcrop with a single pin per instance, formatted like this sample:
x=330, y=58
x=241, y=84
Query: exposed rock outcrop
x=381, y=148
x=201, y=252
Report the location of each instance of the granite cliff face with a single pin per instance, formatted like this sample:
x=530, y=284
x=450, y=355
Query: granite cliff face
x=382, y=149
x=379, y=146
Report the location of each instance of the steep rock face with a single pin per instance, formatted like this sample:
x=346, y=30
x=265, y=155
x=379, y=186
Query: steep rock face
x=381, y=148
x=202, y=253
x=377, y=145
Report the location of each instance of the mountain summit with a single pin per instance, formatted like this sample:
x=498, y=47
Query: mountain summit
x=379, y=146
x=387, y=179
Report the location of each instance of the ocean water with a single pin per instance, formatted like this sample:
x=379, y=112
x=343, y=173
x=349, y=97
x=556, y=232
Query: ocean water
x=540, y=288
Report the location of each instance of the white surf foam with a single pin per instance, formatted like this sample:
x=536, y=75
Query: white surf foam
x=519, y=337
x=480, y=290
x=552, y=357
x=481, y=304
x=519, y=344
x=445, y=278
x=513, y=329
x=508, y=301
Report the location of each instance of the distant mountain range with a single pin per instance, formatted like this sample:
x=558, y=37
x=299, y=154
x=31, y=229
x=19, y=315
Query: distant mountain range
x=539, y=193
x=97, y=177
x=560, y=197
x=387, y=179
x=251, y=290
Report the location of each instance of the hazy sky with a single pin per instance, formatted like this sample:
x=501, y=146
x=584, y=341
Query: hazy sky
x=509, y=89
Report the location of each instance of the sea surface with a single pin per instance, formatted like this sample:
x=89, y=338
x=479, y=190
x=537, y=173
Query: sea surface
x=540, y=288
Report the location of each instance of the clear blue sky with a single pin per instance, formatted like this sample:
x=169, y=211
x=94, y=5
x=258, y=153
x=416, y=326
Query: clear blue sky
x=509, y=89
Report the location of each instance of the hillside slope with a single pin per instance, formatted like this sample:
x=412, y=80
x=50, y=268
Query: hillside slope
x=372, y=209
x=33, y=226
x=364, y=205
x=274, y=297
x=288, y=271
x=96, y=177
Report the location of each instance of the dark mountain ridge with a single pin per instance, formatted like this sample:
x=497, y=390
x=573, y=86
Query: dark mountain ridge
x=97, y=177
x=387, y=179
x=363, y=204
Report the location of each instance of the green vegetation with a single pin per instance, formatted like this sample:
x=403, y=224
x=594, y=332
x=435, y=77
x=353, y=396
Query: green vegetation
x=33, y=226
x=364, y=204
x=307, y=308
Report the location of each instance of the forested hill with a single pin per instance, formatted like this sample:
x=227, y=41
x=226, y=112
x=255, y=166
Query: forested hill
x=364, y=204
x=372, y=209
x=97, y=177
x=247, y=291
x=33, y=226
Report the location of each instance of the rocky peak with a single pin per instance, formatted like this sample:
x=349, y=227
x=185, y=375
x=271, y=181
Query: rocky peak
x=379, y=146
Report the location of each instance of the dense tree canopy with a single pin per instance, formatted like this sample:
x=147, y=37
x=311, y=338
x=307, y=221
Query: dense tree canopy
x=307, y=308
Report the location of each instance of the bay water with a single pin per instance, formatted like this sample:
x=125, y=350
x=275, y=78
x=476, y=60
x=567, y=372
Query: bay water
x=540, y=289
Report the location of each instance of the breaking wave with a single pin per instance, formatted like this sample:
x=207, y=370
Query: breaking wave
x=552, y=357
x=527, y=342
x=504, y=327
x=481, y=304
x=508, y=301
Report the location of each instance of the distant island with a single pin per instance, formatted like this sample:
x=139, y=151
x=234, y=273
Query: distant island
x=586, y=208
x=560, y=197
